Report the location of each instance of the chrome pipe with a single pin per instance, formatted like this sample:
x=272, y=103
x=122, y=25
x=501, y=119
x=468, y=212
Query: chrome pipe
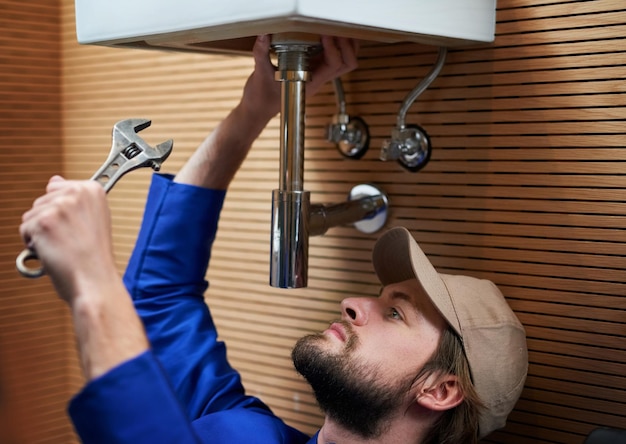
x=290, y=203
x=340, y=95
x=290, y=239
x=293, y=218
x=324, y=217
x=421, y=87
x=292, y=136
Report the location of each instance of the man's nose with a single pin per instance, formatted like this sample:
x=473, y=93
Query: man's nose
x=357, y=310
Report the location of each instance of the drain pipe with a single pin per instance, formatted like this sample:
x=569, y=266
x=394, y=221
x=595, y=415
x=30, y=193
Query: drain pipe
x=294, y=219
x=290, y=203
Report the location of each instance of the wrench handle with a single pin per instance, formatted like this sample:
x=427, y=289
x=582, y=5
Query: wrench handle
x=28, y=254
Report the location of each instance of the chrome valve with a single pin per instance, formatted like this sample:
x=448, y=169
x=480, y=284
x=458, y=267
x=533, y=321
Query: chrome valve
x=409, y=145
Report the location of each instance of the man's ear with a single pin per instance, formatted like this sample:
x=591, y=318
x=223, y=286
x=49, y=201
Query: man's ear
x=439, y=393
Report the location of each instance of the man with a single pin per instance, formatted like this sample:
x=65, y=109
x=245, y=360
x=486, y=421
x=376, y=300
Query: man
x=433, y=359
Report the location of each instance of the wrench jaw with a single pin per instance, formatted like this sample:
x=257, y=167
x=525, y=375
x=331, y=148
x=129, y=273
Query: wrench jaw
x=129, y=152
x=163, y=151
x=130, y=126
x=124, y=134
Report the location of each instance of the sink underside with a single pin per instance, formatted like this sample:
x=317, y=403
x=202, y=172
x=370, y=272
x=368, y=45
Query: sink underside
x=231, y=27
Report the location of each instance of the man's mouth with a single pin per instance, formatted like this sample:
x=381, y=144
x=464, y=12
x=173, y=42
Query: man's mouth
x=338, y=330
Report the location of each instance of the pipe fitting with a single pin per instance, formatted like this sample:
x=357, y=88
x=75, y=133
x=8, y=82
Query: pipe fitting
x=350, y=135
x=409, y=145
x=289, y=249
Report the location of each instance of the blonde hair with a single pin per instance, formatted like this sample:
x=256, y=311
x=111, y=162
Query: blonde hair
x=459, y=424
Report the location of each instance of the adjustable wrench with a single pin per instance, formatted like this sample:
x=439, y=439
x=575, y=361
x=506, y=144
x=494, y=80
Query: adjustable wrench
x=128, y=152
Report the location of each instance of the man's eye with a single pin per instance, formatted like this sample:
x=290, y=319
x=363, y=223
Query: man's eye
x=395, y=314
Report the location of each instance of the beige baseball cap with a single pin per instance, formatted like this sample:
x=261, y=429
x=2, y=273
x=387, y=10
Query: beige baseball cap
x=493, y=338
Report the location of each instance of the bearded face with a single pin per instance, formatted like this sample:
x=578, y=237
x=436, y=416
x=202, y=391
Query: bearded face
x=350, y=392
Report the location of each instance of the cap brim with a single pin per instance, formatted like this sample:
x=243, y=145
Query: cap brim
x=397, y=257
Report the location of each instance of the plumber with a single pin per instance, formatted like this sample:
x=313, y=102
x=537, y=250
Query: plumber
x=434, y=359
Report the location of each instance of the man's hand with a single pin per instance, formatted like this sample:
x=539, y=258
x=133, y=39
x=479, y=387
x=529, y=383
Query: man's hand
x=261, y=93
x=339, y=57
x=216, y=161
x=69, y=227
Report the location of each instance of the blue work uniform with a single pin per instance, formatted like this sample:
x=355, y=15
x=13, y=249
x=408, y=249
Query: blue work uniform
x=183, y=389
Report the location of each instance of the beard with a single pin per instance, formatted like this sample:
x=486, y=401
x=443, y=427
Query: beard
x=351, y=394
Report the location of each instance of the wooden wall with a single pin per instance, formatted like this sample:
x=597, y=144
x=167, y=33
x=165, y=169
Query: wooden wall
x=35, y=340
x=526, y=187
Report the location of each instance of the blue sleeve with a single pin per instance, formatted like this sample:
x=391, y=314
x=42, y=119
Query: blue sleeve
x=132, y=403
x=183, y=390
x=166, y=279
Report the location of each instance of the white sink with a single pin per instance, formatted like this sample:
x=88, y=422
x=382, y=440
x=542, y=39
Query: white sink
x=231, y=25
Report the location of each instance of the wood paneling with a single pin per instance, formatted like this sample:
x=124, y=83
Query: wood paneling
x=35, y=336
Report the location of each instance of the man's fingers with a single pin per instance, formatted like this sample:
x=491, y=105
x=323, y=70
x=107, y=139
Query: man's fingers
x=261, y=53
x=349, y=49
x=340, y=53
x=339, y=57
